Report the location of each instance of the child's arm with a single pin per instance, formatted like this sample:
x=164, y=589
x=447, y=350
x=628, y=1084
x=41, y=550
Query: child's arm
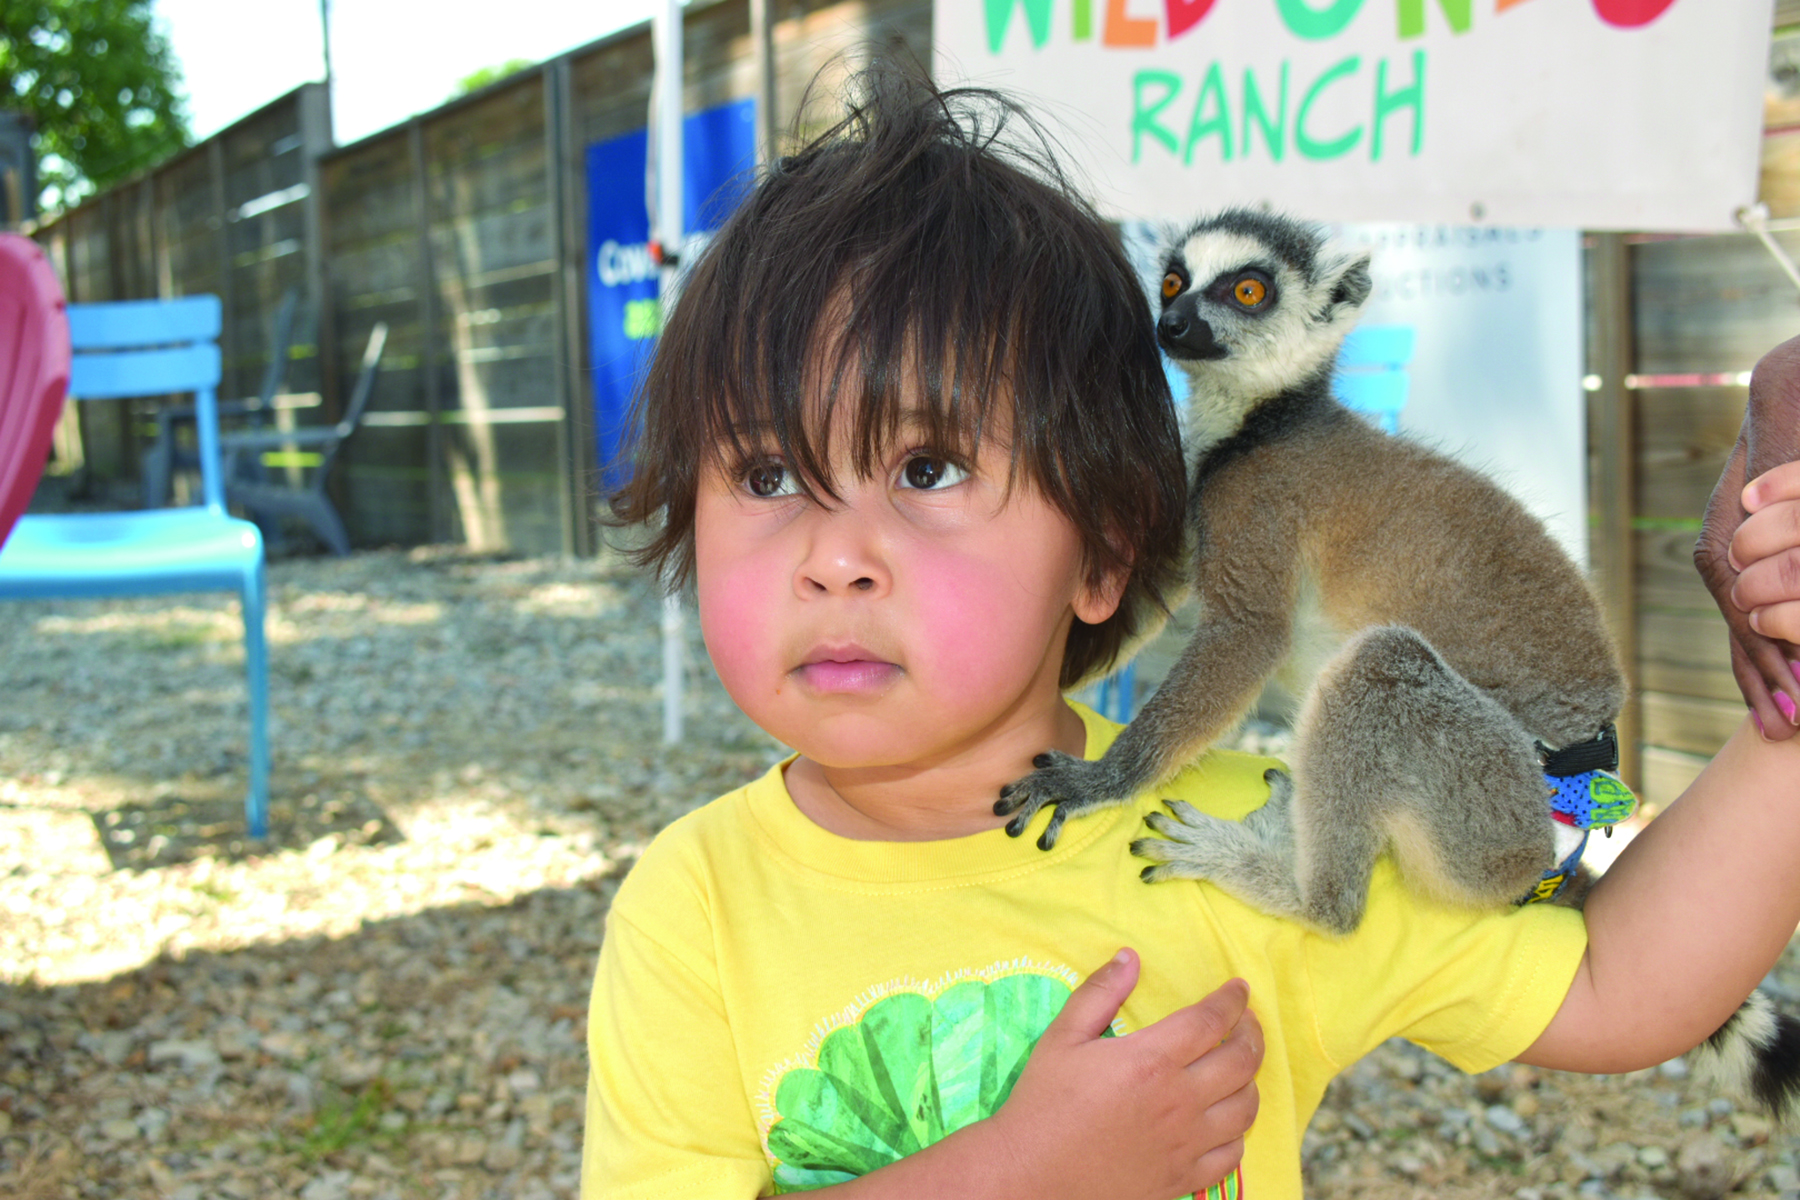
x=1161, y=1112
x=1699, y=906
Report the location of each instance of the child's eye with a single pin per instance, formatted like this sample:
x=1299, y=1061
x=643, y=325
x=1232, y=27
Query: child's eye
x=769, y=478
x=926, y=472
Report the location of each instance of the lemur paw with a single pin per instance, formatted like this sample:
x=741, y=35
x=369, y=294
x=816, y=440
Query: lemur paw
x=1190, y=844
x=1070, y=786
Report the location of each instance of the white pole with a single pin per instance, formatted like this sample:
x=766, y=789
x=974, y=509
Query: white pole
x=665, y=36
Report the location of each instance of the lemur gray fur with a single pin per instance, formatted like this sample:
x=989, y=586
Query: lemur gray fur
x=1471, y=637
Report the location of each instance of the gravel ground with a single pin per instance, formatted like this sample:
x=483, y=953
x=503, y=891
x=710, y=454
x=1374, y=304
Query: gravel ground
x=387, y=998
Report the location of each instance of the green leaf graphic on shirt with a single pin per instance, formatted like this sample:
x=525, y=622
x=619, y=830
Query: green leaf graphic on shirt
x=911, y=1070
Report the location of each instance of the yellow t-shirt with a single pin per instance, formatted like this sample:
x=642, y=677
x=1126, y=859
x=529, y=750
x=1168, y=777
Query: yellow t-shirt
x=779, y=1008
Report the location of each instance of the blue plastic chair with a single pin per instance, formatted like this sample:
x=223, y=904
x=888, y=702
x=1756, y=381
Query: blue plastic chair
x=155, y=348
x=1371, y=375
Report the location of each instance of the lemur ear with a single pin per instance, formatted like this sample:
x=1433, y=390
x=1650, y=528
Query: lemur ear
x=1352, y=285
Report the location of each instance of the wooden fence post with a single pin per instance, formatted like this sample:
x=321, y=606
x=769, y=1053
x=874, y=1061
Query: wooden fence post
x=428, y=324
x=564, y=164
x=1612, y=428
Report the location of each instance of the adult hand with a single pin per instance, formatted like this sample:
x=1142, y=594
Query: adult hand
x=1770, y=437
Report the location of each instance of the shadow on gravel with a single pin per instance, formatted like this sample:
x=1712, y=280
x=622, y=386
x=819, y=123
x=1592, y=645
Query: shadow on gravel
x=437, y=1053
x=176, y=829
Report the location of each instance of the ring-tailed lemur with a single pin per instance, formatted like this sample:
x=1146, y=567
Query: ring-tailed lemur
x=1473, y=642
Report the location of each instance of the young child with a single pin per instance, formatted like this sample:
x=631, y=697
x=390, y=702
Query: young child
x=908, y=432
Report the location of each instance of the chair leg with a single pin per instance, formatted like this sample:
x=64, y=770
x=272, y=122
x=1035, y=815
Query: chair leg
x=325, y=522
x=256, y=670
x=158, y=465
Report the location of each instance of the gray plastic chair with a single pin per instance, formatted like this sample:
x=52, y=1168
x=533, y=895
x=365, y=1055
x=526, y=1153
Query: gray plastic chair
x=250, y=486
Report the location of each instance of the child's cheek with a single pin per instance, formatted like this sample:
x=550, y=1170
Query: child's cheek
x=984, y=621
x=736, y=619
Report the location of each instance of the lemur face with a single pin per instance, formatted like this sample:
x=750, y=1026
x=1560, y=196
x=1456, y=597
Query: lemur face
x=1214, y=302
x=1254, y=303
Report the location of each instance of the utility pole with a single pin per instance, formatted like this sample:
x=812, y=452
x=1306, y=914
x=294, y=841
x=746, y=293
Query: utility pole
x=325, y=40
x=666, y=235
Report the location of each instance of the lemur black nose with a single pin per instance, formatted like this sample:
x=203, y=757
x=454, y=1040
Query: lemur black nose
x=1184, y=335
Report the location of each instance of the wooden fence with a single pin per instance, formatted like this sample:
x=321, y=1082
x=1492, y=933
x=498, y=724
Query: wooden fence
x=465, y=230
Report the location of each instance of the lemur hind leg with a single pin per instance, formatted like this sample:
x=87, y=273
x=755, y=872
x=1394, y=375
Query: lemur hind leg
x=1393, y=749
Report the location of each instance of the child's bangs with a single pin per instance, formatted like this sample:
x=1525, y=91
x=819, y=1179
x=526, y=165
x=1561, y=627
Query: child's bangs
x=880, y=379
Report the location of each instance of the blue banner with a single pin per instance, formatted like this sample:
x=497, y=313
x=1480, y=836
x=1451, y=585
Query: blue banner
x=718, y=152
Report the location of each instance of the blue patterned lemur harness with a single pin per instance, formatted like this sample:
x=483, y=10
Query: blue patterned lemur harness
x=1585, y=794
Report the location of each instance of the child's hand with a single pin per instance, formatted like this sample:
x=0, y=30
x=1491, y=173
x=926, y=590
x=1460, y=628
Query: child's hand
x=1161, y=1112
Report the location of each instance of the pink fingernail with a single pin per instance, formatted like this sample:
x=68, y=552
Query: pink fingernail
x=1757, y=717
x=1785, y=705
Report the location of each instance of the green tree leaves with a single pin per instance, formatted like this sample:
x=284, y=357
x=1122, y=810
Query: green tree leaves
x=102, y=86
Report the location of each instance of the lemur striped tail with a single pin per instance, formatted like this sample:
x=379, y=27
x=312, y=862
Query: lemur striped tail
x=1756, y=1054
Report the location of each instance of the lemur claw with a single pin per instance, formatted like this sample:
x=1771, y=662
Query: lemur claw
x=1060, y=782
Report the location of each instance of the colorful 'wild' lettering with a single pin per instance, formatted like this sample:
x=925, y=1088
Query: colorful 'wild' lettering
x=1119, y=27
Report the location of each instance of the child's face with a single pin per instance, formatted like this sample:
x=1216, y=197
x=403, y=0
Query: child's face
x=900, y=627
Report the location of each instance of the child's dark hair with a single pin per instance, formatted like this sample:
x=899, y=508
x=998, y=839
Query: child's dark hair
x=917, y=267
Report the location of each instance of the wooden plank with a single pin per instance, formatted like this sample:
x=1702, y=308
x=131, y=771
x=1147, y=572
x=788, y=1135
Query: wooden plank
x=523, y=381
x=1710, y=304
x=321, y=367
x=430, y=364
x=1610, y=410
x=1691, y=724
x=1686, y=653
x=496, y=247
x=1778, y=184
x=230, y=383
x=1684, y=436
x=506, y=176
x=570, y=305
x=1666, y=578
x=1667, y=773
x=369, y=191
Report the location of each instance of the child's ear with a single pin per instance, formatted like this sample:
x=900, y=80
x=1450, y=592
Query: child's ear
x=1095, y=601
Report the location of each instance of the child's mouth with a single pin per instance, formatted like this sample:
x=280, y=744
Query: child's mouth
x=851, y=671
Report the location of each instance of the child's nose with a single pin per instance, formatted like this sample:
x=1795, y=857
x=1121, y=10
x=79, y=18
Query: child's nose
x=843, y=558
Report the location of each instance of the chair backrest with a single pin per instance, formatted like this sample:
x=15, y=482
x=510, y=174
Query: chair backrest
x=34, y=370
x=153, y=348
x=365, y=380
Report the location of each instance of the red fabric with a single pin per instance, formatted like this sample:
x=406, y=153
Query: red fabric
x=34, y=370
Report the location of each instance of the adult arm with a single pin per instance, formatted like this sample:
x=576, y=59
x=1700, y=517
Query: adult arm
x=1770, y=436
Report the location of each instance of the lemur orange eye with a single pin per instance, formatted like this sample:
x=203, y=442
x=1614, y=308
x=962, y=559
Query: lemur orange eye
x=1250, y=292
x=1171, y=285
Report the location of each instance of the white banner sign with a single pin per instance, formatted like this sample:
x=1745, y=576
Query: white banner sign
x=1599, y=114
